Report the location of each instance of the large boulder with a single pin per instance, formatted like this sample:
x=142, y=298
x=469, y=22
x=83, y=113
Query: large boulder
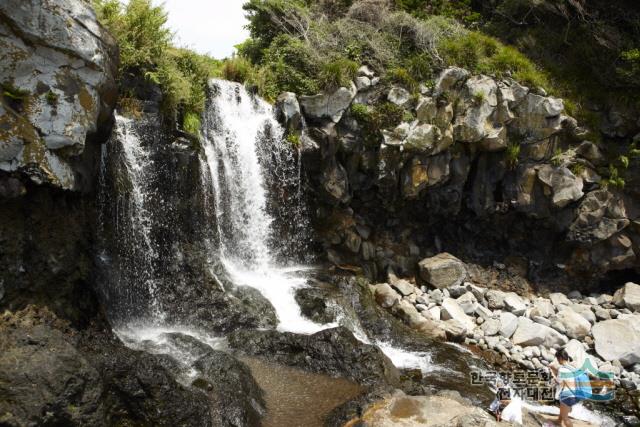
x=564, y=185
x=450, y=80
x=542, y=307
x=235, y=397
x=579, y=357
x=452, y=310
x=50, y=375
x=530, y=333
x=443, y=270
x=58, y=75
x=508, y=324
x=328, y=105
x=515, y=304
x=288, y=111
x=538, y=116
x=385, y=295
x=575, y=324
x=495, y=299
x=476, y=123
x=601, y=214
x=628, y=296
x=617, y=339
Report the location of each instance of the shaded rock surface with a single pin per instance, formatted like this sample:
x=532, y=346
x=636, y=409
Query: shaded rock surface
x=93, y=380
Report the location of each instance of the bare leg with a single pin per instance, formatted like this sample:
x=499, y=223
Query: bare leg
x=564, y=416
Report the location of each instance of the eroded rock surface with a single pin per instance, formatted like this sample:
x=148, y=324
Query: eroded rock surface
x=58, y=78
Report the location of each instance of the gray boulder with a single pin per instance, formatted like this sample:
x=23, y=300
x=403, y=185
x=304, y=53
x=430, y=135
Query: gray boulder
x=628, y=296
x=530, y=333
x=443, y=270
x=398, y=96
x=601, y=214
x=564, y=185
x=468, y=303
x=542, y=307
x=491, y=327
x=495, y=299
x=539, y=116
x=617, y=339
x=385, y=295
x=575, y=325
x=514, y=304
x=449, y=80
x=288, y=110
x=559, y=298
x=508, y=324
x=328, y=105
x=451, y=310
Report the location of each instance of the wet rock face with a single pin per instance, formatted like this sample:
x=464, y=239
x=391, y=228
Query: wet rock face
x=58, y=79
x=51, y=376
x=476, y=164
x=234, y=396
x=335, y=352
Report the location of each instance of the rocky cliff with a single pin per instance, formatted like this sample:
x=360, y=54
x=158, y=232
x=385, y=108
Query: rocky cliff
x=483, y=167
x=58, y=93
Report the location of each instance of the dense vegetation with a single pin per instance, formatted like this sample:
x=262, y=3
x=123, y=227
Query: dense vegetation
x=304, y=46
x=146, y=49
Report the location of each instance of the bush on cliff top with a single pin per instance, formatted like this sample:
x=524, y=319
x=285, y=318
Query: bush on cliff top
x=146, y=49
x=402, y=41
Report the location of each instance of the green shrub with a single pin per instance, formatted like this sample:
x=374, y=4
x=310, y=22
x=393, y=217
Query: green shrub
x=140, y=29
x=388, y=115
x=614, y=179
x=287, y=66
x=577, y=169
x=512, y=154
x=360, y=113
x=479, y=97
x=294, y=139
x=52, y=98
x=145, y=48
x=191, y=123
x=237, y=69
x=337, y=72
x=483, y=54
x=401, y=76
x=556, y=160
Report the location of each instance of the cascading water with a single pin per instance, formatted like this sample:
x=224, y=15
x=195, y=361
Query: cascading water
x=242, y=139
x=126, y=200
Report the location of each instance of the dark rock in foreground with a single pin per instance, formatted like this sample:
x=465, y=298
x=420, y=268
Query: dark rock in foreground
x=334, y=352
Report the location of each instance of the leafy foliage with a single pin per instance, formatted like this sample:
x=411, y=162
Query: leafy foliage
x=512, y=154
x=307, y=45
x=374, y=120
x=146, y=49
x=336, y=73
x=483, y=54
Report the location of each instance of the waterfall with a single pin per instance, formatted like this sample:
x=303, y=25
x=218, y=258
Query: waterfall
x=242, y=141
x=127, y=187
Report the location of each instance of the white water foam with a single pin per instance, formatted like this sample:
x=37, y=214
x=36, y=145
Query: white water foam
x=241, y=137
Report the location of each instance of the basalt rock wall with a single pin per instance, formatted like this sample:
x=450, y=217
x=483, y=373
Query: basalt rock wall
x=483, y=167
